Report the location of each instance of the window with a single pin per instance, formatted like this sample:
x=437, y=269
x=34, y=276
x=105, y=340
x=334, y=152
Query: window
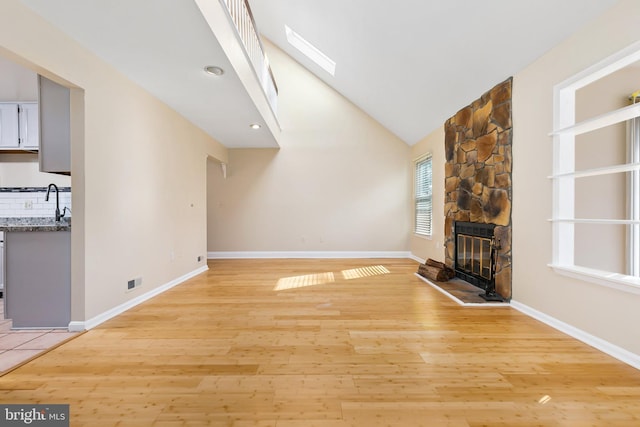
x=310, y=51
x=423, y=197
x=596, y=173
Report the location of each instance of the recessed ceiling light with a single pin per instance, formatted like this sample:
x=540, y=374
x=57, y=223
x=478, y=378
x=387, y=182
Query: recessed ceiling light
x=212, y=69
x=312, y=52
x=255, y=126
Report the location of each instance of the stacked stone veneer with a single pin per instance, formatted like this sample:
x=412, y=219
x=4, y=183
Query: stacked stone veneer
x=478, y=174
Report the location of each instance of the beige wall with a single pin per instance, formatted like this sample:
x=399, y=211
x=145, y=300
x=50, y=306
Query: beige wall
x=338, y=182
x=139, y=171
x=22, y=170
x=423, y=247
x=17, y=83
x=604, y=312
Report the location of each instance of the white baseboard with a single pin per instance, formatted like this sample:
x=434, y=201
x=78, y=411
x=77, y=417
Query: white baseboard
x=77, y=326
x=606, y=347
x=415, y=258
x=307, y=254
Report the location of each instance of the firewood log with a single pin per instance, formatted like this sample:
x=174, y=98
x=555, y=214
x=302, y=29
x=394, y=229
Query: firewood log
x=448, y=270
x=433, y=273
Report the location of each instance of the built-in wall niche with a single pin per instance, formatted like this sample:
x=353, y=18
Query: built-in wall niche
x=606, y=196
x=596, y=173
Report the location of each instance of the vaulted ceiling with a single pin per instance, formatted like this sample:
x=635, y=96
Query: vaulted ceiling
x=409, y=64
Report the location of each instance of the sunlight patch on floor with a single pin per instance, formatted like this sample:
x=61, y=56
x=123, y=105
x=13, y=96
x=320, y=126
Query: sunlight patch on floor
x=304, y=281
x=357, y=273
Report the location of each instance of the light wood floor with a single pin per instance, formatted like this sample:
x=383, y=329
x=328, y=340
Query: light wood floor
x=325, y=343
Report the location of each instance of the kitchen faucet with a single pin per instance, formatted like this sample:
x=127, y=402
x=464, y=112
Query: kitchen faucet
x=46, y=199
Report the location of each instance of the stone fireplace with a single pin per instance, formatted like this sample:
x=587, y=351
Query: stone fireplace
x=478, y=184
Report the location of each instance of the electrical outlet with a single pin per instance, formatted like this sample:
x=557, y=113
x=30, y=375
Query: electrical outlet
x=199, y=258
x=28, y=204
x=134, y=283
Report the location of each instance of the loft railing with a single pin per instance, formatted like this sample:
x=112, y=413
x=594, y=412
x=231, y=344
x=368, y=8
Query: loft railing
x=242, y=17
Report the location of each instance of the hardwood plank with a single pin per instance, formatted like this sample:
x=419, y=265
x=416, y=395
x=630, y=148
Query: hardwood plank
x=327, y=343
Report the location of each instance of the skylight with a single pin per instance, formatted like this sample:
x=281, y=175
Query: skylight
x=312, y=52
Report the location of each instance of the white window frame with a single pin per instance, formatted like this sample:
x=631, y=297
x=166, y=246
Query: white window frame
x=425, y=196
x=565, y=129
x=633, y=195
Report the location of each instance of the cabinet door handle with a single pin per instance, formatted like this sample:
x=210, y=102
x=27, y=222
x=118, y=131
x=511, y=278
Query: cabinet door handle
x=26, y=121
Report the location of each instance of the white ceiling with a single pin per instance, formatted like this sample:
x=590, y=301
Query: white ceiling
x=164, y=45
x=410, y=64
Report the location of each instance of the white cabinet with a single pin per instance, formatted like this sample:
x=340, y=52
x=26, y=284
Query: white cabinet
x=19, y=126
x=28, y=120
x=9, y=136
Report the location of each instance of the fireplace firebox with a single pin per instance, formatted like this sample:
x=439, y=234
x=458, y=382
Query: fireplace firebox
x=473, y=257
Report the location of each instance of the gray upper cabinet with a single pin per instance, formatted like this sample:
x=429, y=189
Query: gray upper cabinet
x=54, y=102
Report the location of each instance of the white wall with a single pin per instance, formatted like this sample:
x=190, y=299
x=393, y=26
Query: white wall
x=606, y=313
x=338, y=182
x=138, y=171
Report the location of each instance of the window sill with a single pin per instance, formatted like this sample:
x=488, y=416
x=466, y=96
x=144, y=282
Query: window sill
x=617, y=281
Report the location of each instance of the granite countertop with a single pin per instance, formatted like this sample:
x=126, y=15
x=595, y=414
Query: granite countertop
x=35, y=224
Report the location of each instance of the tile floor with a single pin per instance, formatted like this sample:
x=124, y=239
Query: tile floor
x=17, y=346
